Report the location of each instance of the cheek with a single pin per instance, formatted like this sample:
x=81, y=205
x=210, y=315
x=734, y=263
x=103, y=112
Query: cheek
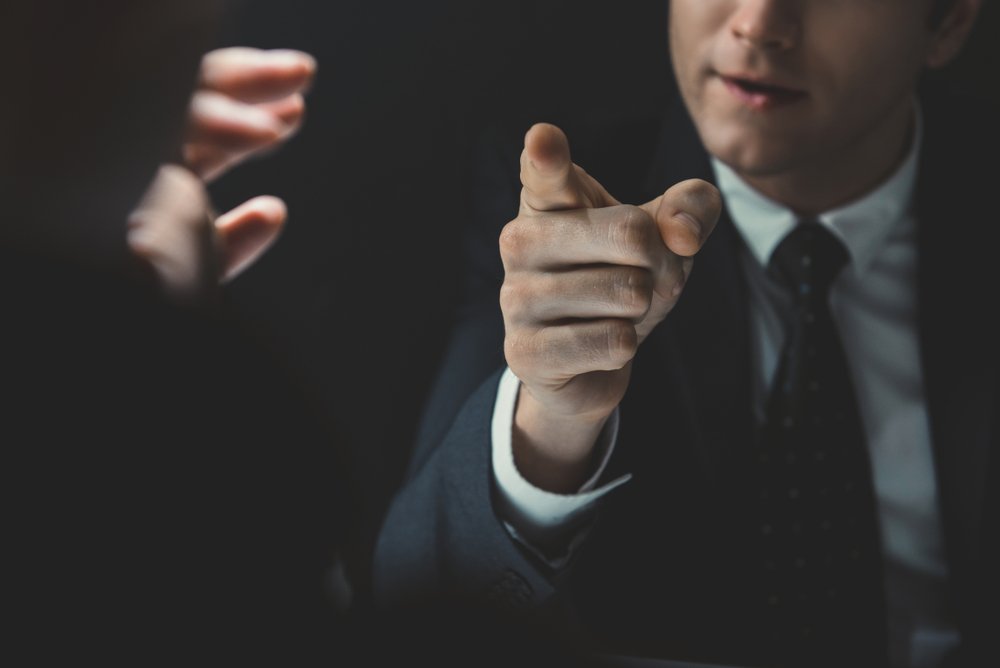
x=867, y=55
x=864, y=84
x=692, y=66
x=696, y=29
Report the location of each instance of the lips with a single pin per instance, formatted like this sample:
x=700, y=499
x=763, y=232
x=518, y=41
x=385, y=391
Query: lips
x=761, y=95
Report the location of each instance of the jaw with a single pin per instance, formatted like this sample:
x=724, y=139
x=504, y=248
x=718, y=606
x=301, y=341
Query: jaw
x=754, y=144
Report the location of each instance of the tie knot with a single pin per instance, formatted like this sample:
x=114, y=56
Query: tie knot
x=807, y=260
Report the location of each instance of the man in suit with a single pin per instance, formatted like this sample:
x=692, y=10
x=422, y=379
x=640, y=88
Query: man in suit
x=756, y=429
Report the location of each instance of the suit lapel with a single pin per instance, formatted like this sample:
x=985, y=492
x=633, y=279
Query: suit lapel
x=706, y=339
x=957, y=294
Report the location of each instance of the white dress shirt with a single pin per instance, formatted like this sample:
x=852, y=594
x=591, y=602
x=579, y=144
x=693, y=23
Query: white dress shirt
x=874, y=304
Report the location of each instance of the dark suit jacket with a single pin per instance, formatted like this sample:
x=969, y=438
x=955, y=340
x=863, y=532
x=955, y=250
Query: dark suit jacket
x=661, y=572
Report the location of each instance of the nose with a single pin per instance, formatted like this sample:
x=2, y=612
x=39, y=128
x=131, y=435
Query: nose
x=766, y=24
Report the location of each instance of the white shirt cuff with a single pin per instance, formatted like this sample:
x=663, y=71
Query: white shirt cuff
x=532, y=513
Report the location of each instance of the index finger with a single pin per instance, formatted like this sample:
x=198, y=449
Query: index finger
x=257, y=75
x=550, y=180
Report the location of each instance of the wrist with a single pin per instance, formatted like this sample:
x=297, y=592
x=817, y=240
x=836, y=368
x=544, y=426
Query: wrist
x=554, y=452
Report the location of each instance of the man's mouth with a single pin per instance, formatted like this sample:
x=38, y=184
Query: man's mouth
x=761, y=95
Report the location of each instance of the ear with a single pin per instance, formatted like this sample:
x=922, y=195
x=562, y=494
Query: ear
x=950, y=35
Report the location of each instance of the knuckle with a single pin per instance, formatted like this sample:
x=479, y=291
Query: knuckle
x=517, y=349
x=512, y=239
x=617, y=343
x=633, y=290
x=699, y=196
x=513, y=297
x=629, y=233
x=621, y=342
x=669, y=271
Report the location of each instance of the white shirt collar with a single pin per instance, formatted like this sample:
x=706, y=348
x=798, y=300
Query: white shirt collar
x=862, y=224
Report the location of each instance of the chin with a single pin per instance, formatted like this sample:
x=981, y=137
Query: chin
x=755, y=159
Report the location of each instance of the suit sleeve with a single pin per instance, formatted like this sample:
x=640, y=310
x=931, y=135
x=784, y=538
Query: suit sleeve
x=442, y=535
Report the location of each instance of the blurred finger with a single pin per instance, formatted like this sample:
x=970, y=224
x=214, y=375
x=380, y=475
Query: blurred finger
x=245, y=232
x=228, y=123
x=257, y=75
x=171, y=229
x=289, y=110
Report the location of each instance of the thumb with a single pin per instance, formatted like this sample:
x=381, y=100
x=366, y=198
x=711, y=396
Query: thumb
x=686, y=214
x=244, y=233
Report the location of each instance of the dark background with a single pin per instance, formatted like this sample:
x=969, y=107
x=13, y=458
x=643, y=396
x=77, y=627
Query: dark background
x=357, y=296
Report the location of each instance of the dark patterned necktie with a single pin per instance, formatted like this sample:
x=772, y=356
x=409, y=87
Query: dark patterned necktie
x=821, y=583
